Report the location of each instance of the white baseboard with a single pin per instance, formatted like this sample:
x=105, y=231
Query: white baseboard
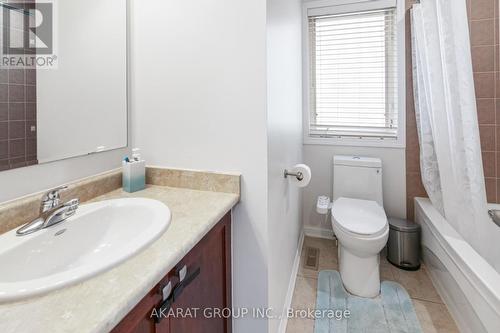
x=319, y=232
x=291, y=284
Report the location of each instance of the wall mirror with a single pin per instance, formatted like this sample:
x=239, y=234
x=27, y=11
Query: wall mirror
x=63, y=79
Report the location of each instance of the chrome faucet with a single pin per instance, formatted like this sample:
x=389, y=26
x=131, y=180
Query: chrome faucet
x=495, y=216
x=51, y=212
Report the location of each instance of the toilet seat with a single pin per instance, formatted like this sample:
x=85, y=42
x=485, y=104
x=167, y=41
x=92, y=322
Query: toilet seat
x=362, y=230
x=363, y=218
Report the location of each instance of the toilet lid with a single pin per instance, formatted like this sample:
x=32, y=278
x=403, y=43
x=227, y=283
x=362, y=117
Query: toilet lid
x=364, y=217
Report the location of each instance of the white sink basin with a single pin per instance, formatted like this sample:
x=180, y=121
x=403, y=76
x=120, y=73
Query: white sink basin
x=98, y=237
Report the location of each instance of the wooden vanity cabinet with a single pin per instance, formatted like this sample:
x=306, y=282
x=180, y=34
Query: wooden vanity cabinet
x=206, y=285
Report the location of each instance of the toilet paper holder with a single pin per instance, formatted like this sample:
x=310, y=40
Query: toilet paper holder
x=297, y=174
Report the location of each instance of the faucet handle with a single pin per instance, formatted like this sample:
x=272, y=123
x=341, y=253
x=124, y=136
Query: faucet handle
x=72, y=205
x=54, y=193
x=51, y=198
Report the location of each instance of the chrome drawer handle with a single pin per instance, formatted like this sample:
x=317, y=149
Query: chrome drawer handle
x=184, y=283
x=166, y=291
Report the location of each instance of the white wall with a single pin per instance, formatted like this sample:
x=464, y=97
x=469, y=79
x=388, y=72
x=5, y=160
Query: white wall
x=284, y=121
x=199, y=101
x=19, y=182
x=320, y=159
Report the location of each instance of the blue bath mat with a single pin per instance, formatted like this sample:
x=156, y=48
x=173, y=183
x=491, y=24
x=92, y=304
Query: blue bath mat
x=390, y=312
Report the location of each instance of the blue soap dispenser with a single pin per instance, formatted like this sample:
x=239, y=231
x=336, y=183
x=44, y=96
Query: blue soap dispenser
x=134, y=172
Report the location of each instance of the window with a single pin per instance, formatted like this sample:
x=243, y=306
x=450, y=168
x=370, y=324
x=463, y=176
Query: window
x=353, y=74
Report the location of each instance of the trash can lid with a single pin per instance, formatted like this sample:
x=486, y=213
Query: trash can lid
x=403, y=225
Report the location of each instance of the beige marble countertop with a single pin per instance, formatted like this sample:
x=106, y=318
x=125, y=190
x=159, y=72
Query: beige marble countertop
x=98, y=304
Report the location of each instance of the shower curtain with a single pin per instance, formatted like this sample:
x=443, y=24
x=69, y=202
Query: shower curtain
x=445, y=107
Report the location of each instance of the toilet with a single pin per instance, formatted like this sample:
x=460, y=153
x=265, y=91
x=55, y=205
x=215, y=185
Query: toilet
x=359, y=222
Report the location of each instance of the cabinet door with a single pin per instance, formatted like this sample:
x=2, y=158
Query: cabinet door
x=139, y=320
x=208, y=292
x=206, y=287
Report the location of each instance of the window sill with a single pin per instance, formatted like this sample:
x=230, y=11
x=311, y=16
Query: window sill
x=375, y=143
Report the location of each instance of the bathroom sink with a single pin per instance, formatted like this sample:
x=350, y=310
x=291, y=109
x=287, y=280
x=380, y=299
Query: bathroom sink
x=97, y=238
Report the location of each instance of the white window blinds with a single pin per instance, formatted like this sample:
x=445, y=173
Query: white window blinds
x=353, y=75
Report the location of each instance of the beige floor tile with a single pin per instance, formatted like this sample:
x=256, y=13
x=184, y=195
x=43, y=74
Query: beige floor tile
x=386, y=268
x=386, y=272
x=300, y=326
x=304, y=295
x=383, y=257
x=327, y=256
x=434, y=317
x=326, y=262
x=321, y=243
x=417, y=283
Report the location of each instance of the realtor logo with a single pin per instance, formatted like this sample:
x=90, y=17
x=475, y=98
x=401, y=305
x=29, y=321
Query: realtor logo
x=28, y=34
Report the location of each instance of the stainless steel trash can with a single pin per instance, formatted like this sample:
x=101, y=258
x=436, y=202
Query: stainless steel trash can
x=403, y=247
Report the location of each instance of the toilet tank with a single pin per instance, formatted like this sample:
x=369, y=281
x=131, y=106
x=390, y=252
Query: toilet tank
x=358, y=178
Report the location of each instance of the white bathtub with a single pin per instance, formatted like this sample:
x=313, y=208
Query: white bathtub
x=469, y=286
